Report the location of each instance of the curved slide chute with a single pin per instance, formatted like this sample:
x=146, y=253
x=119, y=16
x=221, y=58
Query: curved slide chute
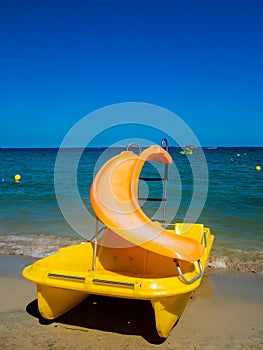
x=114, y=198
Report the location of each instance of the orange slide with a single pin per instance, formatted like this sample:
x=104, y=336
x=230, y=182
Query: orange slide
x=114, y=198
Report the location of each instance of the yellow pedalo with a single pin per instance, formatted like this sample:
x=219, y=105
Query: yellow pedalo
x=134, y=258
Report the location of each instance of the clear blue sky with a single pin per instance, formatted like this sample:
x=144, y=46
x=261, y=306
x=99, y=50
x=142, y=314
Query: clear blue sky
x=60, y=60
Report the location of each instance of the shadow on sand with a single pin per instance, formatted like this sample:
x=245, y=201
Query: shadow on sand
x=124, y=316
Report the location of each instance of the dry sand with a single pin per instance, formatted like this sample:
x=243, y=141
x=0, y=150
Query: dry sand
x=225, y=313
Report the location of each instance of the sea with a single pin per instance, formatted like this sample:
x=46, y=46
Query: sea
x=227, y=197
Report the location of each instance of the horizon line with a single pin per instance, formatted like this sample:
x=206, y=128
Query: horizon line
x=125, y=146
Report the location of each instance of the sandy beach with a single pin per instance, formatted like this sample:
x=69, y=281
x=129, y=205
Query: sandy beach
x=224, y=313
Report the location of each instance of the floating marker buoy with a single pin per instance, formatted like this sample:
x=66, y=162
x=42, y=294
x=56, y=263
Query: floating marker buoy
x=258, y=168
x=17, y=177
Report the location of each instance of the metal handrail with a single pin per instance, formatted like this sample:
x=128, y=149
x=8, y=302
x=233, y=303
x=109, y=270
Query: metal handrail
x=71, y=277
x=204, y=240
x=164, y=144
x=117, y=283
x=98, y=233
x=96, y=237
x=183, y=276
x=134, y=144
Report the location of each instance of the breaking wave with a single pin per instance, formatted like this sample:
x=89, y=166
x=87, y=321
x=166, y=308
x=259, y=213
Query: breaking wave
x=41, y=245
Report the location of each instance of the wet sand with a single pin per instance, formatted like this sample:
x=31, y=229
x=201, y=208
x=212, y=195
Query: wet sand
x=224, y=313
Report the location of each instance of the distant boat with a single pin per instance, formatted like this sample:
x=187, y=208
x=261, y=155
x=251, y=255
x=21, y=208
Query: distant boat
x=215, y=147
x=191, y=146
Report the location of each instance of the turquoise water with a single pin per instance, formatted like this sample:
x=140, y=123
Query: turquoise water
x=32, y=223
